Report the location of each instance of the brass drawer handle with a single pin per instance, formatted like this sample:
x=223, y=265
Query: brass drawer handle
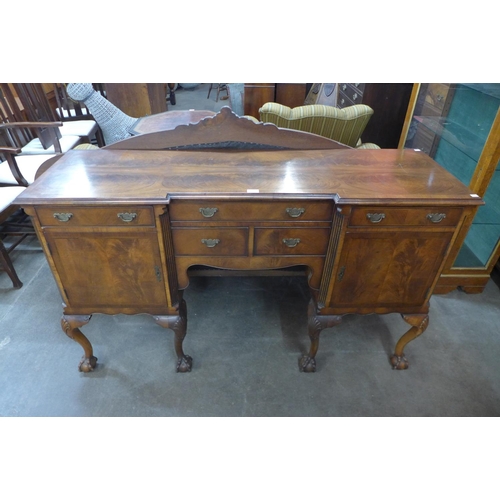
x=63, y=217
x=291, y=242
x=375, y=218
x=436, y=218
x=295, y=212
x=208, y=212
x=127, y=217
x=210, y=243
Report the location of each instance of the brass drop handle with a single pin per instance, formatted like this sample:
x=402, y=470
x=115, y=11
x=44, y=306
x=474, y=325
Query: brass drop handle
x=295, y=212
x=210, y=243
x=375, y=218
x=126, y=216
x=208, y=212
x=291, y=242
x=63, y=217
x=436, y=218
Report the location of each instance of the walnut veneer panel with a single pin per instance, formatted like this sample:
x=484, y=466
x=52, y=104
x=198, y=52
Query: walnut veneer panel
x=349, y=176
x=222, y=210
x=90, y=216
x=429, y=216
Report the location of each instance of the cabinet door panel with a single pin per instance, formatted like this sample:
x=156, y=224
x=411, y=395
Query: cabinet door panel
x=109, y=269
x=388, y=270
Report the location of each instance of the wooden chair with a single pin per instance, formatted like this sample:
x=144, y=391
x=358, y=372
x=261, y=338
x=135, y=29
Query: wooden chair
x=75, y=116
x=16, y=168
x=37, y=135
x=219, y=87
x=19, y=170
x=7, y=208
x=38, y=107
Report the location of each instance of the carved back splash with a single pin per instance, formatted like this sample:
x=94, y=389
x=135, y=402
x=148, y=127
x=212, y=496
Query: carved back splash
x=227, y=131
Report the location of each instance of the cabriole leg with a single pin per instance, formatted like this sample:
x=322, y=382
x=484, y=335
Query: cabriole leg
x=419, y=324
x=178, y=324
x=70, y=325
x=316, y=323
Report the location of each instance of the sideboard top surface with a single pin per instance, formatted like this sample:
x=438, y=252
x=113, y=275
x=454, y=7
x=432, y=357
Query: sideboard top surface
x=348, y=176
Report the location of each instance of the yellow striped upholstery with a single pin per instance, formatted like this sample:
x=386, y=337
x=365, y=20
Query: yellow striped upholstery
x=86, y=146
x=342, y=125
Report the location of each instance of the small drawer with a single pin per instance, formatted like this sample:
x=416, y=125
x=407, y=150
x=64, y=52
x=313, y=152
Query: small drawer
x=213, y=241
x=391, y=216
x=291, y=241
x=343, y=101
x=215, y=210
x=354, y=94
x=96, y=216
x=359, y=87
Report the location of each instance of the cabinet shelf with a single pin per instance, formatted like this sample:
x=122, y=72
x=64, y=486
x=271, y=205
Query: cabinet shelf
x=458, y=125
x=455, y=134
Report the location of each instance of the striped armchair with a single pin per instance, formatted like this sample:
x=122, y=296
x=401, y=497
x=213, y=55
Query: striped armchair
x=342, y=125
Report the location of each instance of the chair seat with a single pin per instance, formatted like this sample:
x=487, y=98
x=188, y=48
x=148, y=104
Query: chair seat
x=81, y=128
x=34, y=147
x=28, y=165
x=8, y=194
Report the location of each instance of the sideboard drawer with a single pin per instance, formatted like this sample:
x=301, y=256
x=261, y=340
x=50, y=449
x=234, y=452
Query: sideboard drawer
x=215, y=210
x=389, y=216
x=96, y=216
x=213, y=241
x=291, y=241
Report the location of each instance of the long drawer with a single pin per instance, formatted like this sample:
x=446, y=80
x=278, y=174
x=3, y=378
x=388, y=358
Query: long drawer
x=93, y=216
x=217, y=210
x=389, y=216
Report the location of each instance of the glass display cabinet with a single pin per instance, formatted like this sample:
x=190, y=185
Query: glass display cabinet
x=458, y=124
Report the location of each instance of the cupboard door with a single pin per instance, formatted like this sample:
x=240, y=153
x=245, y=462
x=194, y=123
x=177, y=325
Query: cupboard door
x=109, y=269
x=388, y=269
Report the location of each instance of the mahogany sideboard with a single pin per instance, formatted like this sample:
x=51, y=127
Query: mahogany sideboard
x=121, y=226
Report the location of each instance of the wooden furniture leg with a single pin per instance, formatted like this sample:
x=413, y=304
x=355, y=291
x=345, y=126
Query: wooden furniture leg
x=70, y=325
x=178, y=323
x=6, y=265
x=419, y=324
x=316, y=323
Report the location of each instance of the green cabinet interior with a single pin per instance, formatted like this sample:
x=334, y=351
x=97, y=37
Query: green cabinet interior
x=459, y=126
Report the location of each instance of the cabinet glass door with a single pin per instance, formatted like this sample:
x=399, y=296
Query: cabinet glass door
x=451, y=123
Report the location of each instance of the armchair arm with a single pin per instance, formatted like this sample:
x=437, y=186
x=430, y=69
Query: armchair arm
x=6, y=149
x=9, y=154
x=30, y=124
x=47, y=137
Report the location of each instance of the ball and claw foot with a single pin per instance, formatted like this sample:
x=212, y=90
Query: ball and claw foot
x=307, y=364
x=399, y=362
x=184, y=364
x=87, y=364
